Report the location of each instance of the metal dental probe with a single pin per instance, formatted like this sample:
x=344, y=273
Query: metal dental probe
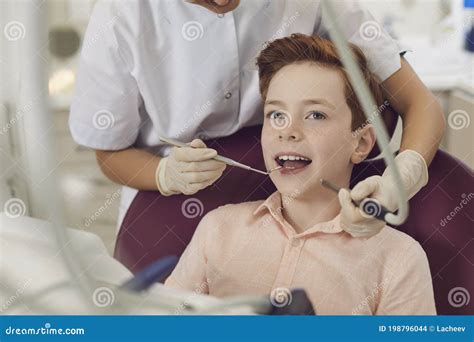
x=225, y=160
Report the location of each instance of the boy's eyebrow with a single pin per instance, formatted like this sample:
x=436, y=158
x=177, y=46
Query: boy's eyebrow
x=319, y=101
x=306, y=102
x=275, y=102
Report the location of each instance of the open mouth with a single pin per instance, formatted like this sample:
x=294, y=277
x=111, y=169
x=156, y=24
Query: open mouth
x=292, y=161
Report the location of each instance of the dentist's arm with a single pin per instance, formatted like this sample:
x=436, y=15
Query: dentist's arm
x=132, y=167
x=423, y=129
x=423, y=119
x=185, y=171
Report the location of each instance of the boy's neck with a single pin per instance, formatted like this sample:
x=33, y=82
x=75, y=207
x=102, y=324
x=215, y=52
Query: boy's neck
x=306, y=210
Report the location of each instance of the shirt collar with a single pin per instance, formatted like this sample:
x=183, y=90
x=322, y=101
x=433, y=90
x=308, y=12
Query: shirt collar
x=273, y=204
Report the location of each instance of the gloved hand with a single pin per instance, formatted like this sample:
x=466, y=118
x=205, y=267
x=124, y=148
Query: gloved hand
x=414, y=174
x=188, y=169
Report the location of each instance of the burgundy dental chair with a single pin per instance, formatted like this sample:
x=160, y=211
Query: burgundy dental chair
x=154, y=228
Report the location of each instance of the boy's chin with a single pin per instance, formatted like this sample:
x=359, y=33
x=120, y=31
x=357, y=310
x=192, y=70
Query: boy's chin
x=291, y=187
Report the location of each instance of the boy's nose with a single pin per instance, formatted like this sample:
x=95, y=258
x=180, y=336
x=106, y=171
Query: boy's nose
x=289, y=134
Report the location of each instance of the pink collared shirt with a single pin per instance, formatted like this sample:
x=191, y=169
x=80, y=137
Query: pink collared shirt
x=250, y=249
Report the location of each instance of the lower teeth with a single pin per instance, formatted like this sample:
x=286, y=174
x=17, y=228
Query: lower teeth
x=292, y=164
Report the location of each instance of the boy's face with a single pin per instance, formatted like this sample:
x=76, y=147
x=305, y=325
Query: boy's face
x=306, y=115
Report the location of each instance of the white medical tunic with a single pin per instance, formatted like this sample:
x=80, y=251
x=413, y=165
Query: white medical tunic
x=152, y=68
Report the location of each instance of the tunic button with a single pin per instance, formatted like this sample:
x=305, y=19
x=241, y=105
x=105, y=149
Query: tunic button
x=228, y=95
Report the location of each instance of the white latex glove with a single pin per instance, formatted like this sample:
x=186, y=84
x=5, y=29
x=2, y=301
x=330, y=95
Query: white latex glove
x=414, y=174
x=188, y=169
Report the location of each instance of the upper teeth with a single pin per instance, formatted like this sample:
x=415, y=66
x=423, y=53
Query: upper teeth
x=292, y=158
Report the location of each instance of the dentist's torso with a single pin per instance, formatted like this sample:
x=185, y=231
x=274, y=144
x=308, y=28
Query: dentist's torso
x=154, y=68
x=192, y=72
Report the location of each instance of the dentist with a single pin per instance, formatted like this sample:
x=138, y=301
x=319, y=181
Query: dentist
x=186, y=70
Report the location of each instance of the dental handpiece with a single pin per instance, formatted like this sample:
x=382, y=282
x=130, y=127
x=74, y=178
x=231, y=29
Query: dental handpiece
x=370, y=207
x=220, y=158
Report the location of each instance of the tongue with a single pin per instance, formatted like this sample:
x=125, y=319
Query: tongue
x=295, y=164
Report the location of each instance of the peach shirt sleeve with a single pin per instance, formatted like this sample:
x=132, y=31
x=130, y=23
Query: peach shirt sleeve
x=190, y=273
x=409, y=290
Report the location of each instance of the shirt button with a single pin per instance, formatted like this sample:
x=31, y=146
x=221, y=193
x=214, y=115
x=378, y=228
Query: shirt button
x=295, y=242
x=220, y=15
x=228, y=95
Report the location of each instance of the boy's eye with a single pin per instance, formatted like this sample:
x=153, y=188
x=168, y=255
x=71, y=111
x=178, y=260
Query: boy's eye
x=275, y=115
x=315, y=115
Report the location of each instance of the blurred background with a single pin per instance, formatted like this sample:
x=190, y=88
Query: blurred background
x=435, y=31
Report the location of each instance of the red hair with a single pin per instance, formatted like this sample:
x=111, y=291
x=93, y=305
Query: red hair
x=300, y=48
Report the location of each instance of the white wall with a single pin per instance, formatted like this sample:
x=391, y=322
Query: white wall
x=26, y=165
x=12, y=183
x=419, y=18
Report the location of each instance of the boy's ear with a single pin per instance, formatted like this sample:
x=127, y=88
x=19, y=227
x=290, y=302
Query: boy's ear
x=364, y=142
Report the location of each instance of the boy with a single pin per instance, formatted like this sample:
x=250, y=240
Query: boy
x=314, y=128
